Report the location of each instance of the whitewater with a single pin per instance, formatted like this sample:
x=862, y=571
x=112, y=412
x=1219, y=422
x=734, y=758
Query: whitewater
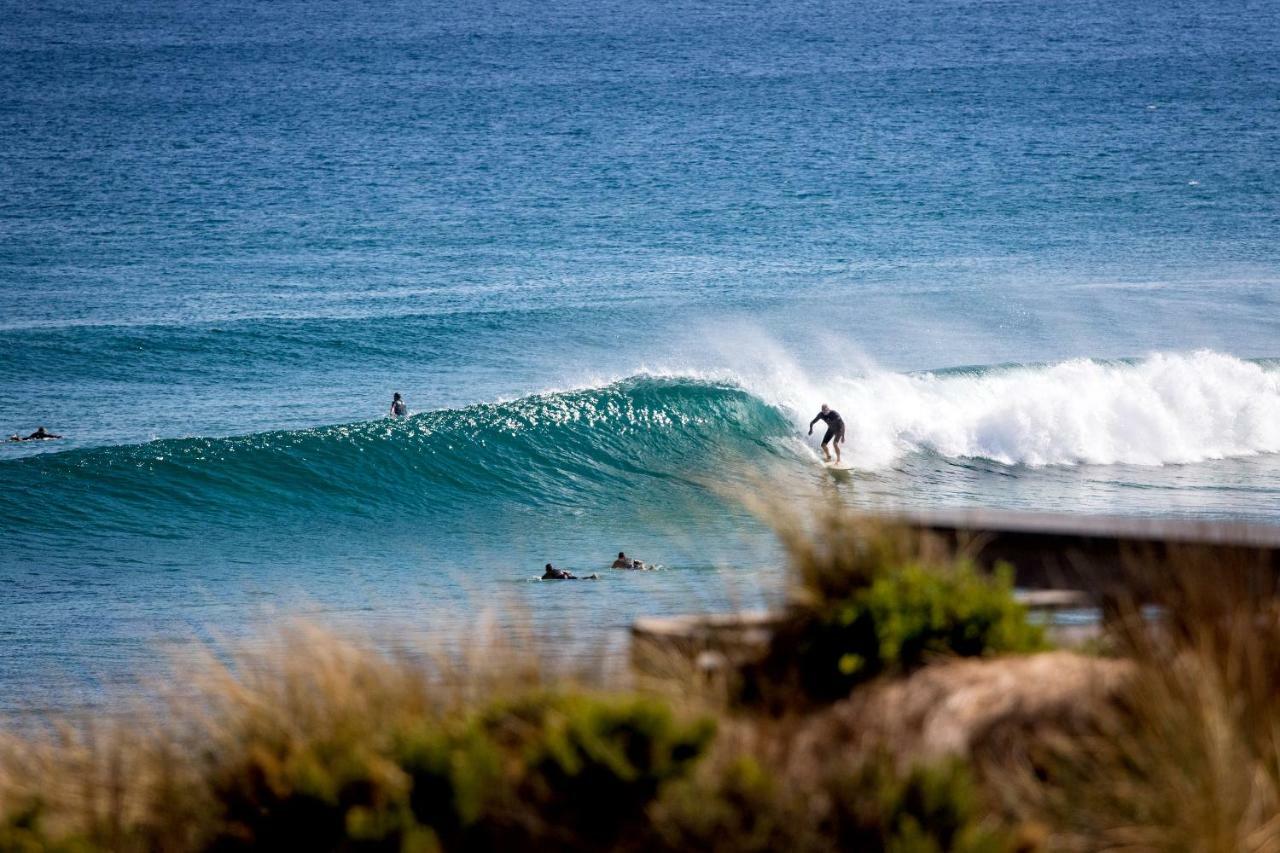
x=1160, y=410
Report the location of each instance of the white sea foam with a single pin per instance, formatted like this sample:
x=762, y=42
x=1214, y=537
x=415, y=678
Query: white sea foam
x=1164, y=409
x=1167, y=408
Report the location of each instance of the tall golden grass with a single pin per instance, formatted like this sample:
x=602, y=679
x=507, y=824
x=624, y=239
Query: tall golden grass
x=1189, y=758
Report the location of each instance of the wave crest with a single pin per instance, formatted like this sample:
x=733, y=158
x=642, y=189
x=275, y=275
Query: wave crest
x=558, y=449
x=1164, y=409
x=636, y=445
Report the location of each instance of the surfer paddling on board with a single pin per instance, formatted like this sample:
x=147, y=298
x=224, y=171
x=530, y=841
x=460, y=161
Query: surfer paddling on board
x=39, y=435
x=554, y=574
x=835, y=430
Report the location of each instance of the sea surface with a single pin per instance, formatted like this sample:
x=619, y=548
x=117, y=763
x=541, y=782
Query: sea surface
x=614, y=255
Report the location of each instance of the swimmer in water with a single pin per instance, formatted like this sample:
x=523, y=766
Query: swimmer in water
x=835, y=430
x=398, y=407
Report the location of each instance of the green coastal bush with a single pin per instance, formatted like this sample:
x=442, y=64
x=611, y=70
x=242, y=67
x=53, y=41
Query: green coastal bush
x=23, y=831
x=905, y=617
x=932, y=809
x=872, y=808
x=327, y=795
x=874, y=602
x=456, y=780
x=562, y=771
x=595, y=766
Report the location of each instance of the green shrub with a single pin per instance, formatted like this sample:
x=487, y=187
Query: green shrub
x=23, y=831
x=456, y=780
x=594, y=765
x=743, y=808
x=326, y=795
x=562, y=771
x=740, y=807
x=931, y=809
x=556, y=770
x=906, y=616
x=874, y=605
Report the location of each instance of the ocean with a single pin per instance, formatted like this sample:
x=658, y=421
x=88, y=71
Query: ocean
x=614, y=255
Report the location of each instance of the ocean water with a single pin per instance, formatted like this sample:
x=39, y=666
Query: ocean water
x=614, y=255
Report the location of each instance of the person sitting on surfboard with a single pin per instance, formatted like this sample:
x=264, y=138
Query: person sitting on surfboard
x=398, y=408
x=625, y=562
x=835, y=430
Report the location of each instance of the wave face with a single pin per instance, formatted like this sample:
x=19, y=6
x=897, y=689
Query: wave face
x=1164, y=409
x=557, y=449
x=648, y=445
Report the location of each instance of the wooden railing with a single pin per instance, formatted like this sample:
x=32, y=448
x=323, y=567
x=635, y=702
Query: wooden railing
x=1099, y=556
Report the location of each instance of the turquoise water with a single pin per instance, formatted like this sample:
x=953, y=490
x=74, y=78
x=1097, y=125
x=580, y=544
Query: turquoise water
x=614, y=255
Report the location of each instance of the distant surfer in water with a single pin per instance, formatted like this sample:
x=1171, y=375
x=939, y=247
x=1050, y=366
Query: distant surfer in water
x=835, y=430
x=398, y=408
x=39, y=435
x=554, y=574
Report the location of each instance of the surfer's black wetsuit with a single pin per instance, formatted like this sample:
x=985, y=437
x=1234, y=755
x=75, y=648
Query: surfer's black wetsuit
x=835, y=426
x=554, y=574
x=38, y=435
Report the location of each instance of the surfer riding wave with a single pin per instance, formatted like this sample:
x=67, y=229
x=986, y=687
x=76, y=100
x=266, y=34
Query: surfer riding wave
x=835, y=430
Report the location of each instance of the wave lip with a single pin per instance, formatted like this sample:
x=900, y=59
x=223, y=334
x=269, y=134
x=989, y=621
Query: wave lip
x=593, y=446
x=1163, y=409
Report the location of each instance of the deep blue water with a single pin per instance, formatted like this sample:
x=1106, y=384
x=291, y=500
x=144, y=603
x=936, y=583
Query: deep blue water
x=614, y=255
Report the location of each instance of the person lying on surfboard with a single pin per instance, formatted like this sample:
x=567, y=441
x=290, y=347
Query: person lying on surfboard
x=835, y=430
x=554, y=574
x=39, y=435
